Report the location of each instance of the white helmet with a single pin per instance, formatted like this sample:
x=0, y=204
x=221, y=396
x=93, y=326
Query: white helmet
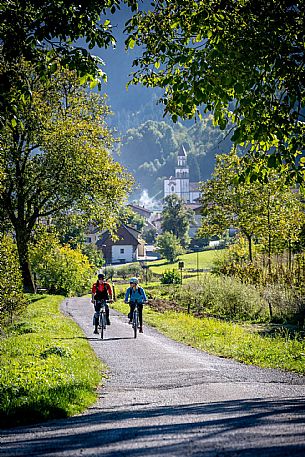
x=134, y=281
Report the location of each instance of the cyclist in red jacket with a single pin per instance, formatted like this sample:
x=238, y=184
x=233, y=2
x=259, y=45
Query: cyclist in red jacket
x=101, y=291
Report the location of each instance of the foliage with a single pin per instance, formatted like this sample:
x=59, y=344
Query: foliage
x=241, y=60
x=133, y=219
x=94, y=255
x=45, y=32
x=126, y=271
x=47, y=368
x=58, y=268
x=271, y=212
x=12, y=300
x=149, y=235
x=223, y=296
x=40, y=180
x=168, y=246
x=176, y=218
x=171, y=277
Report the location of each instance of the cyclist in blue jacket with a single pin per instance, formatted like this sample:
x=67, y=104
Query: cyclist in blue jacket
x=135, y=294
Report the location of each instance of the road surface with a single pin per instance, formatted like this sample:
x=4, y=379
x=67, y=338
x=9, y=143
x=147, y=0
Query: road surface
x=166, y=399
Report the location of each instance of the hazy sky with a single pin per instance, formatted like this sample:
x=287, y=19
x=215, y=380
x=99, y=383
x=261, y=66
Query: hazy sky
x=118, y=64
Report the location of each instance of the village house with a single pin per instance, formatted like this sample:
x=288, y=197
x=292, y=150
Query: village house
x=129, y=247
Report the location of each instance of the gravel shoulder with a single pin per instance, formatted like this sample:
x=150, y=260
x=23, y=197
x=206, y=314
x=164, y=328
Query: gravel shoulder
x=164, y=398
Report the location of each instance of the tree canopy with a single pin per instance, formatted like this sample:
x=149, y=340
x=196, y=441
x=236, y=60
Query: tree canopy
x=176, y=218
x=57, y=158
x=45, y=32
x=271, y=213
x=243, y=60
x=41, y=31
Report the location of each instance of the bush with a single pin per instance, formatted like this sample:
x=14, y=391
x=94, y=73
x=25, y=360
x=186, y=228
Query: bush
x=226, y=297
x=60, y=269
x=134, y=269
x=171, y=277
x=12, y=300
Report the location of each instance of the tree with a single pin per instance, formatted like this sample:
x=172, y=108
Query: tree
x=176, y=218
x=43, y=31
x=241, y=60
x=56, y=158
x=149, y=234
x=133, y=219
x=168, y=246
x=269, y=212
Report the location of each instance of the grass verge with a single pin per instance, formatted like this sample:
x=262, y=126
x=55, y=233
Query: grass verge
x=228, y=340
x=47, y=368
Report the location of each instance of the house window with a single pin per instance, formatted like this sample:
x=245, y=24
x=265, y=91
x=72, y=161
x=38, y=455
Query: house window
x=173, y=189
x=122, y=251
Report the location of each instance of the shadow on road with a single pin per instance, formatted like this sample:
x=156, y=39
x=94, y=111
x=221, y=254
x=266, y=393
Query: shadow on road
x=256, y=427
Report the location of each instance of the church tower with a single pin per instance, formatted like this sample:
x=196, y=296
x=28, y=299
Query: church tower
x=180, y=184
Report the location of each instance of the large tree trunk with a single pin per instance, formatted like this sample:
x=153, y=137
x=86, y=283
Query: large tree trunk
x=22, y=240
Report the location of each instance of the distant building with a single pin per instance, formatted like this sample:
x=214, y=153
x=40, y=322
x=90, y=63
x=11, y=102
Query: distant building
x=141, y=210
x=180, y=183
x=128, y=248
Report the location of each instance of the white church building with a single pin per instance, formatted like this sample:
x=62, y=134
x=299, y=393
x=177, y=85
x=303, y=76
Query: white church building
x=180, y=184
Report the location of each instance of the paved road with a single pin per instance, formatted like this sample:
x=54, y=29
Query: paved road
x=165, y=399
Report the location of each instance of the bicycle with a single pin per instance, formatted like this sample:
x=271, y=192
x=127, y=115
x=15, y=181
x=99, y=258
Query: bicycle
x=102, y=319
x=135, y=320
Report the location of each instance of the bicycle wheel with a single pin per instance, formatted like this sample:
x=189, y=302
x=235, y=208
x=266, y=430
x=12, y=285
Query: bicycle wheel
x=103, y=325
x=135, y=324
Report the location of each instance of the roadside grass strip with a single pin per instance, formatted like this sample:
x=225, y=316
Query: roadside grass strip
x=47, y=368
x=229, y=340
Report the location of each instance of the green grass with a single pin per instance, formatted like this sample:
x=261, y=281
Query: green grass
x=228, y=340
x=47, y=368
x=205, y=261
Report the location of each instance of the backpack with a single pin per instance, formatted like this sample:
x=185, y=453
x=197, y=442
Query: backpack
x=101, y=294
x=139, y=289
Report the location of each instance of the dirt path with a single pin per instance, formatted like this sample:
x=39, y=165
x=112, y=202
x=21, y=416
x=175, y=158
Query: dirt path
x=166, y=399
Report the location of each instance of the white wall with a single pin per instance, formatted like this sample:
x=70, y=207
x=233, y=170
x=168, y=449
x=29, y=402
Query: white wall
x=126, y=256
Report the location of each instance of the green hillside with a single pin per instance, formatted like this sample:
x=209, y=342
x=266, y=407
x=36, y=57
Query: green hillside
x=149, y=151
x=205, y=262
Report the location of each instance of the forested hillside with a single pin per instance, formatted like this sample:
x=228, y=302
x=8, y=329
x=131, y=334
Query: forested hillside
x=149, y=151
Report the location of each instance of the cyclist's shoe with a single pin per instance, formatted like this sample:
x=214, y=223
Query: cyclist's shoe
x=96, y=331
x=130, y=321
x=108, y=321
x=141, y=330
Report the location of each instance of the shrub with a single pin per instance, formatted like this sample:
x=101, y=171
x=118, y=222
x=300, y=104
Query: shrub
x=134, y=269
x=60, y=269
x=171, y=277
x=226, y=297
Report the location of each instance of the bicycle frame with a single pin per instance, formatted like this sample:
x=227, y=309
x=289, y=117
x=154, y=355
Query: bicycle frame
x=135, y=320
x=102, y=320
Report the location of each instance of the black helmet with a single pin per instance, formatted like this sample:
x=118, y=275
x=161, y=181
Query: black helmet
x=101, y=276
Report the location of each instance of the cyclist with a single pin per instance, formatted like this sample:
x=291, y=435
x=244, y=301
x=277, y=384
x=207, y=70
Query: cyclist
x=101, y=291
x=135, y=294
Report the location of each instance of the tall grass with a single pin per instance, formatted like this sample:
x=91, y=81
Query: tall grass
x=47, y=368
